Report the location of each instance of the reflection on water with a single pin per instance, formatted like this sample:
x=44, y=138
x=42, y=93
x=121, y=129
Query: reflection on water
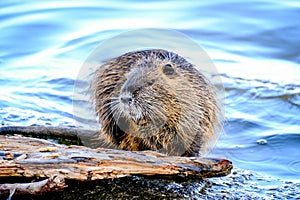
x=255, y=47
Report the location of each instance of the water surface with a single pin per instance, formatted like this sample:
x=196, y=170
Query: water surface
x=254, y=45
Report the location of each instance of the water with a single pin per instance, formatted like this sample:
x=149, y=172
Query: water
x=254, y=45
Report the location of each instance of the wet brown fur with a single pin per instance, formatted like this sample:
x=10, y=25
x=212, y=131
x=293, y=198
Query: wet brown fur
x=172, y=110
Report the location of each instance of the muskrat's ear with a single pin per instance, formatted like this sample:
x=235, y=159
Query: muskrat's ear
x=168, y=70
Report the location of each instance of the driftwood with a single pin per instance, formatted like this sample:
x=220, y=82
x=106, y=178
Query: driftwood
x=64, y=133
x=29, y=157
x=26, y=157
x=50, y=184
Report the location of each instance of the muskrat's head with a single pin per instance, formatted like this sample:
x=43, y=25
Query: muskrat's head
x=154, y=96
x=146, y=92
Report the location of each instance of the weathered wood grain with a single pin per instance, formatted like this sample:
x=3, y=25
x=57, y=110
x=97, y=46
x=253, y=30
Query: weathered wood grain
x=50, y=184
x=31, y=157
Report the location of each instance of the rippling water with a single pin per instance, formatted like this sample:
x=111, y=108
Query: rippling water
x=255, y=46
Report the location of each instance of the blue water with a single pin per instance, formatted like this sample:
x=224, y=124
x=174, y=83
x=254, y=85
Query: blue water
x=254, y=45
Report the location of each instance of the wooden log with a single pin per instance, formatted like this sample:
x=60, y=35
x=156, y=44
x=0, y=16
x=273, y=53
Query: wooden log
x=31, y=157
x=50, y=184
x=61, y=132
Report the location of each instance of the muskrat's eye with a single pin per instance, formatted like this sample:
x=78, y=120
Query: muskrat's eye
x=168, y=70
x=151, y=82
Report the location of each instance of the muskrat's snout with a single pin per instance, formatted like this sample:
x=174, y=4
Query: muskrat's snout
x=128, y=106
x=126, y=95
x=126, y=100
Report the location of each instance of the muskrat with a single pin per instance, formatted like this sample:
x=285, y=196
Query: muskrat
x=155, y=100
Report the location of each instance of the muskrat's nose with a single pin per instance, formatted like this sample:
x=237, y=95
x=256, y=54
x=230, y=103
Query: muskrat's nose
x=126, y=100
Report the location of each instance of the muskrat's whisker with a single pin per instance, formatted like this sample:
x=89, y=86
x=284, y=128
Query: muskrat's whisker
x=109, y=112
